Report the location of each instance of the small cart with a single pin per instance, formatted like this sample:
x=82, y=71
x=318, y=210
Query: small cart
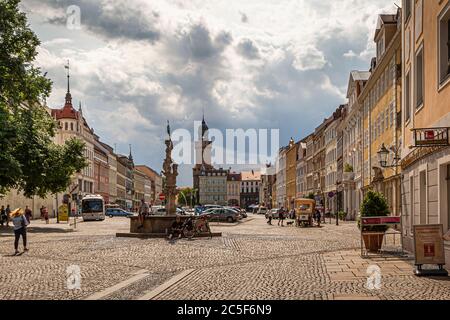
x=304, y=212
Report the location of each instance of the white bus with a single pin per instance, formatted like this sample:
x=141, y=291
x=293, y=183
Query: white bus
x=93, y=208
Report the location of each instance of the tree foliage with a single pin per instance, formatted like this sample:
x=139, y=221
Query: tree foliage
x=186, y=196
x=29, y=159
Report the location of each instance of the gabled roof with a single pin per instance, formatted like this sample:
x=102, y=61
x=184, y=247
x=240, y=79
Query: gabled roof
x=356, y=76
x=251, y=176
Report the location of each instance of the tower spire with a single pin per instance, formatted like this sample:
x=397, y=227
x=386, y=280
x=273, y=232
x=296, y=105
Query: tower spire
x=204, y=127
x=68, y=95
x=130, y=157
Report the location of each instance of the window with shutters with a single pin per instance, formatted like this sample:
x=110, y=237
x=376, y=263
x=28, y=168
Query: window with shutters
x=407, y=97
x=419, y=81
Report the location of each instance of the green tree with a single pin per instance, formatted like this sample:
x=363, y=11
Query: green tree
x=186, y=196
x=29, y=159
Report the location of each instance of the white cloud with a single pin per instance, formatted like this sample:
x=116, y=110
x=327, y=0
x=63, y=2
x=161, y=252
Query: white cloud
x=285, y=65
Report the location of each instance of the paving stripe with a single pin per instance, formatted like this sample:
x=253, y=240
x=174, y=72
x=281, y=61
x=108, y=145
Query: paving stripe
x=139, y=275
x=166, y=285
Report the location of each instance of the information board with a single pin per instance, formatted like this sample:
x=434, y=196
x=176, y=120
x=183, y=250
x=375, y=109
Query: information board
x=429, y=244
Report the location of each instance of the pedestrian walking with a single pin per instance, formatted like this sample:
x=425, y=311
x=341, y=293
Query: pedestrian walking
x=292, y=214
x=318, y=217
x=8, y=215
x=270, y=217
x=45, y=213
x=41, y=211
x=281, y=214
x=28, y=214
x=20, y=223
x=3, y=217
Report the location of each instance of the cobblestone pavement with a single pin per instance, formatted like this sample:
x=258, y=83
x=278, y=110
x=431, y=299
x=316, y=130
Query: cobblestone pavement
x=251, y=261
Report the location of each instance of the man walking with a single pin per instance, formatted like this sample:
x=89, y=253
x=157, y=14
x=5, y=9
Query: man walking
x=8, y=215
x=281, y=214
x=28, y=214
x=45, y=214
x=270, y=217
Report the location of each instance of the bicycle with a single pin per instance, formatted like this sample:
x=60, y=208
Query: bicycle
x=195, y=227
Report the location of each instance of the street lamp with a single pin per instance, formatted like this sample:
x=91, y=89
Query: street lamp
x=383, y=154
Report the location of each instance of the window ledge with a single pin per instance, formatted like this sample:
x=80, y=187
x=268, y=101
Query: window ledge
x=408, y=122
x=444, y=83
x=419, y=108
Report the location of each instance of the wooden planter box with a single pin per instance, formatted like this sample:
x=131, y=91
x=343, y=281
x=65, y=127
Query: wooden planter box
x=373, y=241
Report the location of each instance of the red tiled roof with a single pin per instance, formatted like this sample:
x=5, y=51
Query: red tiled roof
x=68, y=112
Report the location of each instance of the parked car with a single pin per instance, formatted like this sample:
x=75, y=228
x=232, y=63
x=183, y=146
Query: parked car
x=117, y=212
x=262, y=210
x=222, y=215
x=162, y=212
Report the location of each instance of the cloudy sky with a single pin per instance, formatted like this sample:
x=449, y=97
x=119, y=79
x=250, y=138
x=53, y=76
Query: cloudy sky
x=135, y=64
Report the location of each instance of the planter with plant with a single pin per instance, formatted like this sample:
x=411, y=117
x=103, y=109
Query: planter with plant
x=374, y=205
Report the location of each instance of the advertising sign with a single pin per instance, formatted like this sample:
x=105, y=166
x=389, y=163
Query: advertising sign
x=374, y=221
x=63, y=213
x=429, y=244
x=431, y=137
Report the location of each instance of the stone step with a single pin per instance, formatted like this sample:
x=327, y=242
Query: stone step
x=161, y=235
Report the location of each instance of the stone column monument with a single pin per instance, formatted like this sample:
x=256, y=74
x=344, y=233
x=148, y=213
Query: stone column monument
x=170, y=171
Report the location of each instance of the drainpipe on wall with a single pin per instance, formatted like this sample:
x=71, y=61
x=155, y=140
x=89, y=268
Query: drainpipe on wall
x=397, y=197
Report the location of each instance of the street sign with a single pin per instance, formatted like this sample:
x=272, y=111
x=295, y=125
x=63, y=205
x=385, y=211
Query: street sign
x=162, y=197
x=63, y=213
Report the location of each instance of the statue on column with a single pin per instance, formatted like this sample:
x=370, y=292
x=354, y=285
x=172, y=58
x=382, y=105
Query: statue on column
x=170, y=171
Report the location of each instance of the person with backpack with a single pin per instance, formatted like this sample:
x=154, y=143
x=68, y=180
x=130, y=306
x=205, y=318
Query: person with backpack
x=20, y=224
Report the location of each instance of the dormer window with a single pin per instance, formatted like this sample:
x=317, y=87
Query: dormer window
x=407, y=9
x=380, y=47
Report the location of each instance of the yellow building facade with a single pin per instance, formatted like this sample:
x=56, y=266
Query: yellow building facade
x=291, y=173
x=381, y=101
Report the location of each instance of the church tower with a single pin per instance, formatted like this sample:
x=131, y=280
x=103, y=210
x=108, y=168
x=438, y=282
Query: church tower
x=203, y=149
